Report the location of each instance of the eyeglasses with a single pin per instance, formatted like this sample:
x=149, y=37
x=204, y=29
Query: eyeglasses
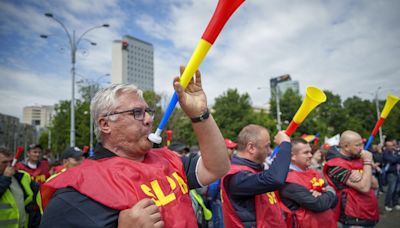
x=137, y=113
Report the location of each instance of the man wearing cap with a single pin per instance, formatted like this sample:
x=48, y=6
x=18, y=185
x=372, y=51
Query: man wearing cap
x=248, y=197
x=38, y=170
x=180, y=148
x=103, y=191
x=71, y=157
x=230, y=145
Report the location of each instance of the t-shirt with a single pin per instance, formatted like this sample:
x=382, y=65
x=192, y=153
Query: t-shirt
x=18, y=194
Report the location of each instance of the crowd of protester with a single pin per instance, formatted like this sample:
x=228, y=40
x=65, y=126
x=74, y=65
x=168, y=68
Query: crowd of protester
x=294, y=197
x=218, y=183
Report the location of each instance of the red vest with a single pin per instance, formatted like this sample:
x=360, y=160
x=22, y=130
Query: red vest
x=310, y=179
x=353, y=204
x=40, y=174
x=120, y=183
x=57, y=169
x=268, y=212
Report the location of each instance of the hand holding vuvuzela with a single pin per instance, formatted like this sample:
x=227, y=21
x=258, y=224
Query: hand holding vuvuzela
x=390, y=102
x=17, y=154
x=224, y=10
x=314, y=97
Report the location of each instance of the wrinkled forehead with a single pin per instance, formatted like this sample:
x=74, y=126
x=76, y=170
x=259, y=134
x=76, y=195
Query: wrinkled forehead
x=128, y=99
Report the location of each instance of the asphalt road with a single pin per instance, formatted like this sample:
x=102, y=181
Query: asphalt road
x=387, y=219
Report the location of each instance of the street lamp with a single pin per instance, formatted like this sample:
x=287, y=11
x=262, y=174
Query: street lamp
x=73, y=43
x=278, y=109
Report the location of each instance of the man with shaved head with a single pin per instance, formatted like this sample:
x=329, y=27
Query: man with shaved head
x=247, y=190
x=349, y=171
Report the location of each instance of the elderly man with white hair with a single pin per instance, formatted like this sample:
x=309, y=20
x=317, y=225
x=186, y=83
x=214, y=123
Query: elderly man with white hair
x=128, y=183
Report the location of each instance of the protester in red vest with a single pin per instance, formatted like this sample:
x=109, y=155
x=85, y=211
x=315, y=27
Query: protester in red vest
x=248, y=197
x=306, y=198
x=349, y=171
x=107, y=189
x=230, y=145
x=39, y=170
x=71, y=157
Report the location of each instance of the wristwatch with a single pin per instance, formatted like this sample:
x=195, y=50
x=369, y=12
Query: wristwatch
x=203, y=116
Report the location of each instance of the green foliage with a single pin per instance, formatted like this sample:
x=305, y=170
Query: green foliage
x=44, y=139
x=332, y=113
x=360, y=115
x=181, y=127
x=60, y=127
x=233, y=111
x=391, y=126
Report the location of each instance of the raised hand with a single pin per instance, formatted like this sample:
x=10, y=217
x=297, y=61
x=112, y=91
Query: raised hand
x=193, y=100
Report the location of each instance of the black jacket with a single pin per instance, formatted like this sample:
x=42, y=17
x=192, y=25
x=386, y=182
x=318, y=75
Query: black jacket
x=295, y=196
x=391, y=157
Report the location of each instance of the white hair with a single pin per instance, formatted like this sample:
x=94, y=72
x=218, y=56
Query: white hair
x=105, y=101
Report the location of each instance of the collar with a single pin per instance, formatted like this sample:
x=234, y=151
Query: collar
x=345, y=157
x=295, y=167
x=101, y=152
x=242, y=161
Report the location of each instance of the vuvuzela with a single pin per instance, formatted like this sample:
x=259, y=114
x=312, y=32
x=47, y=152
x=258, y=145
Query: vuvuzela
x=314, y=97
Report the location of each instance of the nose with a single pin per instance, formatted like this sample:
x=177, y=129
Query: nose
x=148, y=119
x=269, y=151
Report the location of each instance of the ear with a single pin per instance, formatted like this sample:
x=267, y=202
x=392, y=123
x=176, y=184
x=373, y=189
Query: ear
x=251, y=147
x=103, y=123
x=293, y=157
x=345, y=146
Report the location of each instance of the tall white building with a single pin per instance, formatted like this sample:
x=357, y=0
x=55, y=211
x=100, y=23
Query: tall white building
x=38, y=116
x=132, y=62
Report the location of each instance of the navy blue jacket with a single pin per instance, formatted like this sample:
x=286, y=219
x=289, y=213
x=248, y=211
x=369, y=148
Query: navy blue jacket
x=391, y=157
x=244, y=185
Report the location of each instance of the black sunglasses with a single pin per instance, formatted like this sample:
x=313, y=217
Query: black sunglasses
x=138, y=113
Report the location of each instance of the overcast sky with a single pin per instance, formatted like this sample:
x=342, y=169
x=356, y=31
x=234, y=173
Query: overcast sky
x=344, y=46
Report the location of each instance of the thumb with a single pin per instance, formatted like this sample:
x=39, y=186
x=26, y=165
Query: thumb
x=144, y=203
x=178, y=87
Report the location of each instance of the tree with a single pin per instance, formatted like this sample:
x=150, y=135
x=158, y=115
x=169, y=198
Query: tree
x=333, y=114
x=360, y=115
x=181, y=127
x=289, y=103
x=44, y=139
x=391, y=126
x=60, y=127
x=233, y=111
